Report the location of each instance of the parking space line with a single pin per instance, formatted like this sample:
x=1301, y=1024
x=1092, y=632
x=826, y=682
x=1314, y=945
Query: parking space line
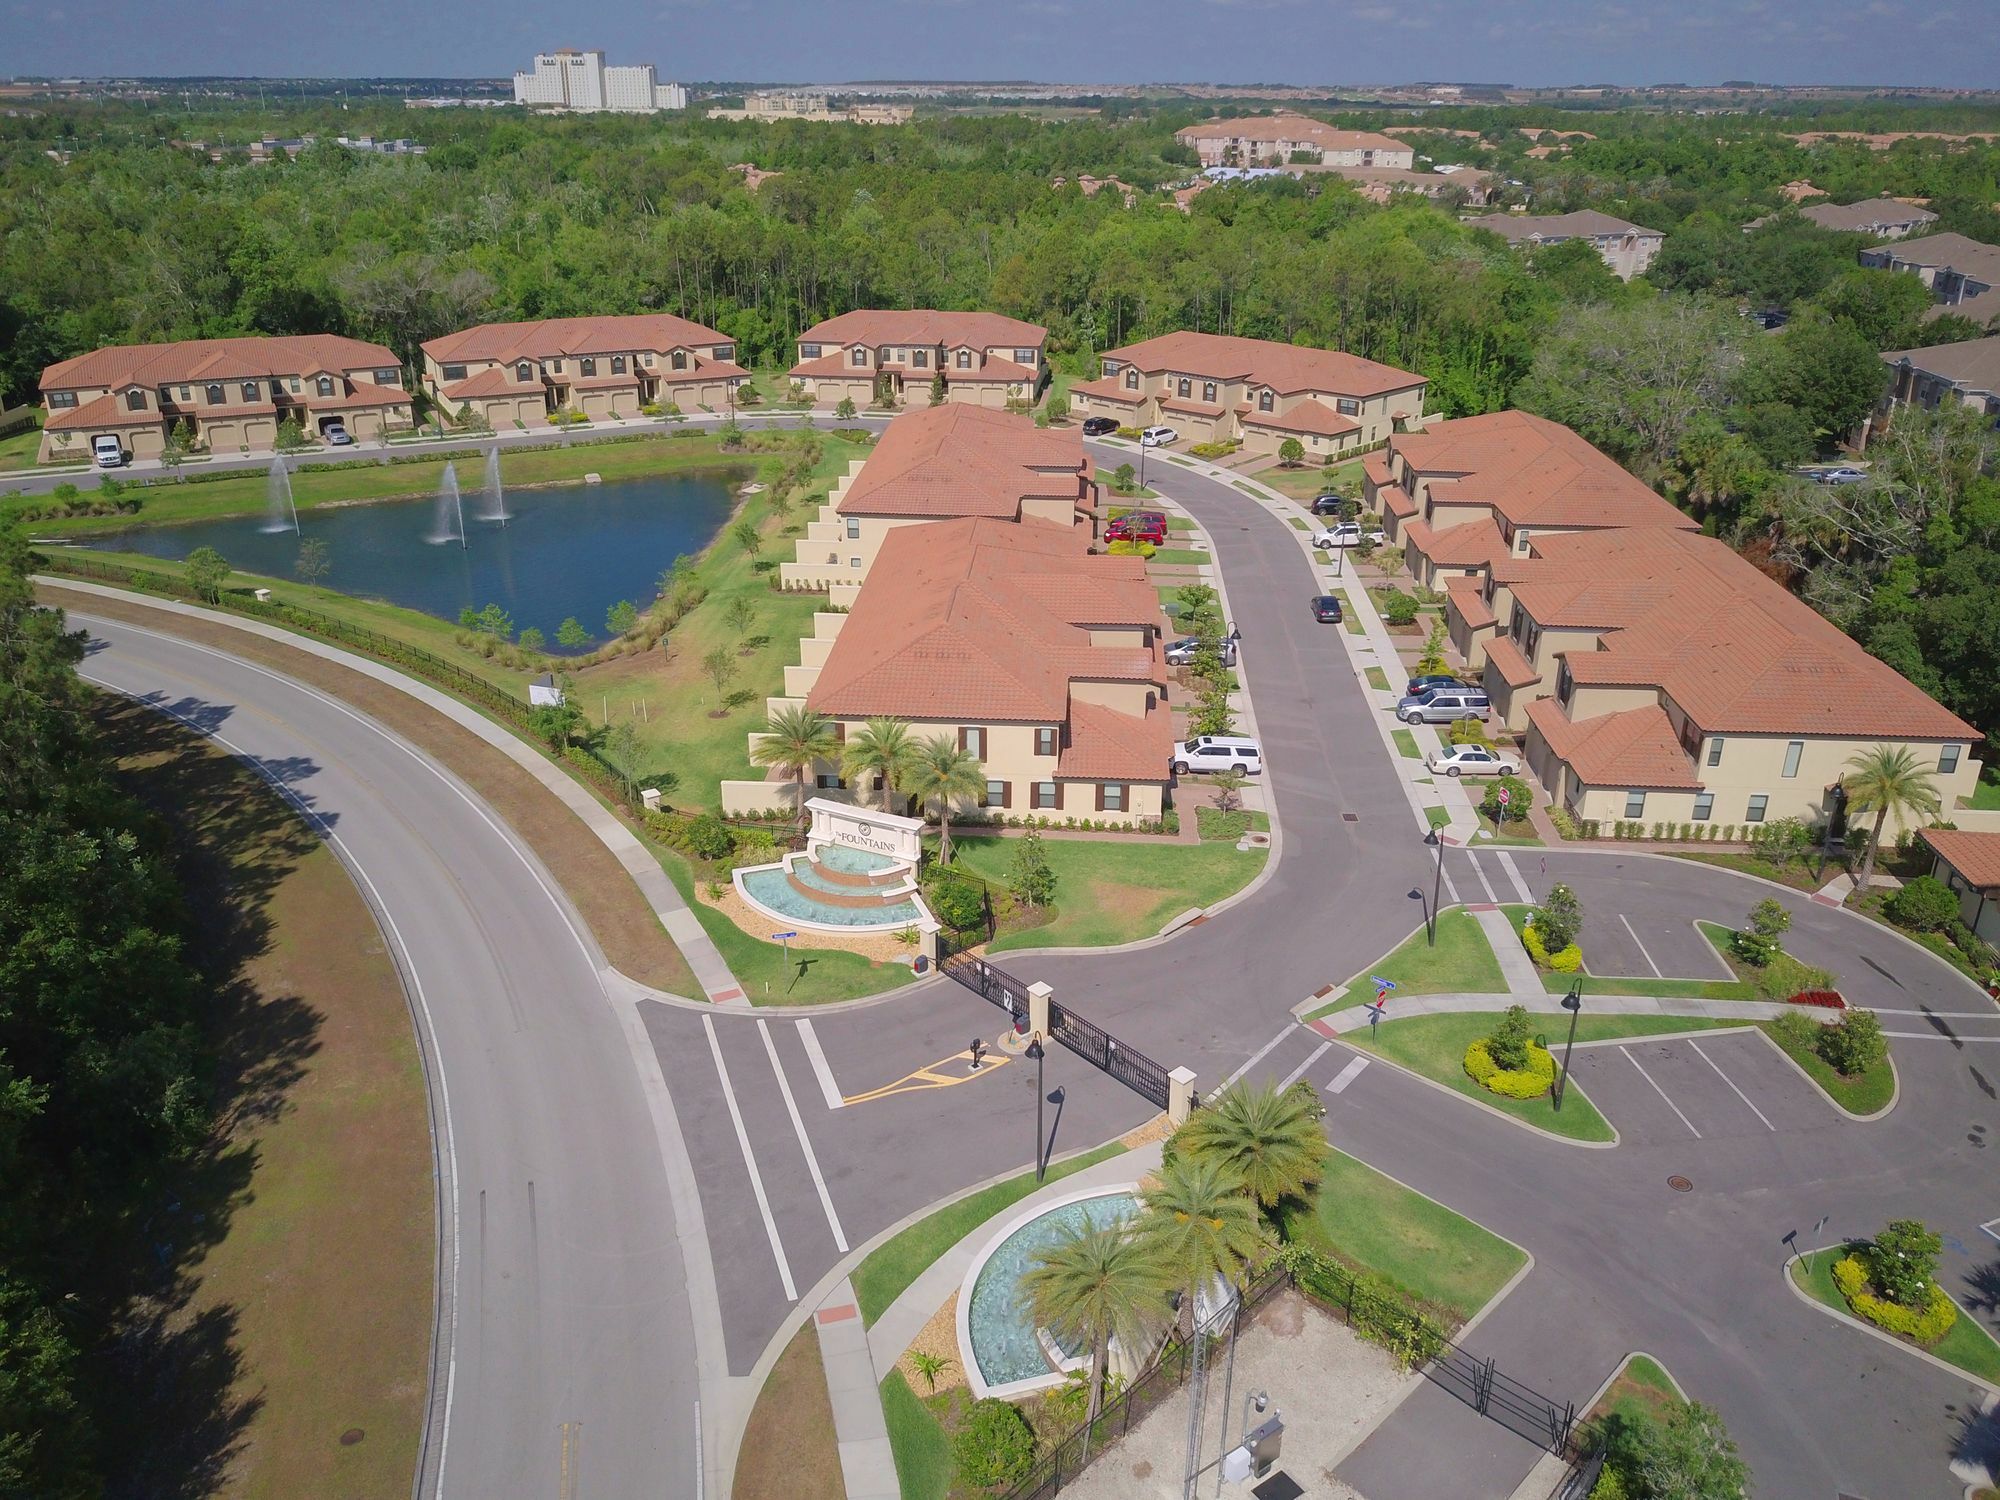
x=828, y=1090
x=750, y=1163
x=1300, y=1071
x=1259, y=1055
x=1514, y=874
x=1640, y=946
x=1352, y=1071
x=799, y=1129
x=1662, y=1093
x=1732, y=1084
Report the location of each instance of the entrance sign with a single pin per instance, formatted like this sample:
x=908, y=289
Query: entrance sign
x=898, y=839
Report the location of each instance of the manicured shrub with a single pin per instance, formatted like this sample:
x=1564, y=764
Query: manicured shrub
x=1468, y=732
x=1509, y=1042
x=1784, y=976
x=1565, y=960
x=1516, y=805
x=1559, y=917
x=1925, y=1324
x=1925, y=904
x=708, y=838
x=1609, y=1486
x=1902, y=1262
x=1399, y=608
x=1854, y=1045
x=996, y=1445
x=1530, y=1081
x=1796, y=1031
x=1559, y=818
x=957, y=904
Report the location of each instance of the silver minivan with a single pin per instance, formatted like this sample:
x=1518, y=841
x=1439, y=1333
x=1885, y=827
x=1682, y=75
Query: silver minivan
x=1442, y=705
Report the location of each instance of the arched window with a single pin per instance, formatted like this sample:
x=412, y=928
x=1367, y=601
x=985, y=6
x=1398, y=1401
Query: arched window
x=212, y=394
x=324, y=385
x=524, y=372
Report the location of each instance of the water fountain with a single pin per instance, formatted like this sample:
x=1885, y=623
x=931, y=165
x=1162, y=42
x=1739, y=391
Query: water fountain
x=448, y=524
x=281, y=512
x=493, y=498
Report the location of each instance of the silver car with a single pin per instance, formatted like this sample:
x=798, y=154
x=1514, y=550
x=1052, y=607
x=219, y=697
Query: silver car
x=1182, y=651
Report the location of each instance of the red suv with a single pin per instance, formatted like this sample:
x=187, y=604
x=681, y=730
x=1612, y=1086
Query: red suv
x=1137, y=526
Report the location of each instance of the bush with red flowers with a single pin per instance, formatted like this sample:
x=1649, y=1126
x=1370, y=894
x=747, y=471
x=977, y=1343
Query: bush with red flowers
x=1825, y=999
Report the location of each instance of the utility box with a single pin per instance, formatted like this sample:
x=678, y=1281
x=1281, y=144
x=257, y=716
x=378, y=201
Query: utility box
x=543, y=692
x=1265, y=1444
x=651, y=797
x=1236, y=1465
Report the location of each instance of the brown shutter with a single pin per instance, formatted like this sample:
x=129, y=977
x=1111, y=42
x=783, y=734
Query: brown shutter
x=1100, y=796
x=840, y=731
x=961, y=737
x=1006, y=794
x=1062, y=795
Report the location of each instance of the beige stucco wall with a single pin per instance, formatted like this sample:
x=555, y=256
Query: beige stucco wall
x=852, y=557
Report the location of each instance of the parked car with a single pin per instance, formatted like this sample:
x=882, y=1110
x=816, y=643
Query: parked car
x=1137, y=526
x=1218, y=752
x=1331, y=504
x=1182, y=651
x=1420, y=685
x=1098, y=426
x=1441, y=705
x=107, y=450
x=337, y=434
x=1349, y=534
x=1837, y=474
x=1159, y=437
x=1326, y=609
x=1471, y=760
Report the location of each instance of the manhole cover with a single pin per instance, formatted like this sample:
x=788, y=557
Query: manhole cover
x=1350, y=817
x=1680, y=1184
x=352, y=1436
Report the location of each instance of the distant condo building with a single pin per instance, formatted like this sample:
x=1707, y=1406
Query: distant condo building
x=569, y=79
x=816, y=109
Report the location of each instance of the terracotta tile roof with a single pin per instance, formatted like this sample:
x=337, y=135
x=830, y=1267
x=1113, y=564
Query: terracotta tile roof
x=1468, y=597
x=1585, y=223
x=604, y=382
x=495, y=380
x=1106, y=390
x=1976, y=856
x=1396, y=503
x=1514, y=667
x=1289, y=127
x=101, y=411
x=970, y=620
x=1106, y=745
x=1313, y=417
x=993, y=372
x=365, y=393
x=1635, y=748
x=829, y=365
x=1188, y=406
x=1469, y=544
x=958, y=460
x=926, y=325
x=552, y=337
x=218, y=359
x=1533, y=471
x=1286, y=368
x=704, y=369
x=1737, y=652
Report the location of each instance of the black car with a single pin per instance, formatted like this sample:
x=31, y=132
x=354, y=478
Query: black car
x=1098, y=426
x=1334, y=505
x=1429, y=680
x=1326, y=609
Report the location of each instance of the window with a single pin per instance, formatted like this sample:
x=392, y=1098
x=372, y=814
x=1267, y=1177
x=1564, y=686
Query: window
x=1948, y=759
x=857, y=357
x=1715, y=751
x=996, y=794
x=252, y=391
x=809, y=351
x=965, y=359
x=524, y=372
x=680, y=359
x=62, y=400
x=454, y=372
x=324, y=385
x=1704, y=807
x=586, y=366
x=1110, y=368
x=1026, y=356
x=555, y=367
x=617, y=364
x=920, y=359
x=135, y=399
x=853, y=528
x=1349, y=407
x=1264, y=401
x=184, y=393
x=293, y=383
x=1755, y=812
x=212, y=394
x=649, y=360
x=725, y=352
x=1111, y=798
x=389, y=377
x=1208, y=390
x=1132, y=379
x=1045, y=741
x=854, y=562
x=1183, y=386
x=972, y=739
x=828, y=783
x=1635, y=804
x=1793, y=751
x=1047, y=794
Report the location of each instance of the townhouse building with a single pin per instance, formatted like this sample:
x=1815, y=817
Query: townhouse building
x=1254, y=140
x=224, y=395
x=514, y=375
x=942, y=463
x=1214, y=388
x=1962, y=273
x=1884, y=218
x=893, y=355
x=1627, y=248
x=1967, y=373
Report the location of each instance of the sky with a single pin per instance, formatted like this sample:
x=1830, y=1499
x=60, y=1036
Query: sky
x=1941, y=43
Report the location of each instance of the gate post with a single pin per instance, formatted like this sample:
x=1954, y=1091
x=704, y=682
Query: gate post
x=1180, y=1095
x=930, y=941
x=1039, y=995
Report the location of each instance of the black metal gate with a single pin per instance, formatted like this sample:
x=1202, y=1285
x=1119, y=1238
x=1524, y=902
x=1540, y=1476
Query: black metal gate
x=990, y=981
x=1520, y=1409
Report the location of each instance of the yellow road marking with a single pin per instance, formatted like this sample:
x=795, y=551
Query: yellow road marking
x=572, y=1435
x=927, y=1077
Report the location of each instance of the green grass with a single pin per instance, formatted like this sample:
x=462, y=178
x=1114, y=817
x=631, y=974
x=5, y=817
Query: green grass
x=1437, y=817
x=1115, y=893
x=1462, y=963
x=1180, y=555
x=1797, y=876
x=18, y=450
x=1304, y=483
x=1968, y=1345
x=1406, y=744
x=1227, y=827
x=1986, y=795
x=1300, y=524
x=1348, y=621
x=925, y=1468
x=1863, y=1094
x=1434, y=1047
x=1372, y=1223
x=888, y=1270
x=1377, y=679
x=1106, y=478
x=1699, y=989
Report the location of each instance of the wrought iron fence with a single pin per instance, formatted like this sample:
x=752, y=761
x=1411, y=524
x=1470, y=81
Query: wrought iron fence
x=1098, y=1047
x=989, y=981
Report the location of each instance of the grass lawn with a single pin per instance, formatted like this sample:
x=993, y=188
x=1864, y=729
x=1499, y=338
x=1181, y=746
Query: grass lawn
x=1181, y=555
x=1461, y=963
x=1985, y=796
x=1377, y=679
x=1406, y=744
x=1221, y=827
x=1862, y=1094
x=1434, y=1047
x=18, y=450
x=1348, y=621
x=1304, y=483
x=789, y=1451
x=1967, y=1345
x=1437, y=817
x=925, y=1468
x=1640, y=1392
x=1299, y=523
x=1115, y=893
x=1372, y=1223
x=1108, y=478
x=1700, y=989
x=324, y=1141
x=1798, y=876
x=889, y=1269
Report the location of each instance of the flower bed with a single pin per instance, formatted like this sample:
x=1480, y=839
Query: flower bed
x=1530, y=1082
x=1922, y=1327
x=1825, y=999
x=1563, y=961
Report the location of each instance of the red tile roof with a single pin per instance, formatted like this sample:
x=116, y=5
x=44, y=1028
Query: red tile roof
x=958, y=460
x=215, y=359
x=828, y=365
x=1286, y=368
x=495, y=380
x=1188, y=406
x=1515, y=668
x=1312, y=417
x=1288, y=127
x=1106, y=745
x=365, y=394
x=1976, y=856
x=102, y=411
x=1107, y=390
x=993, y=372
x=926, y=325
x=553, y=337
x=1635, y=748
x=1468, y=544
x=1468, y=597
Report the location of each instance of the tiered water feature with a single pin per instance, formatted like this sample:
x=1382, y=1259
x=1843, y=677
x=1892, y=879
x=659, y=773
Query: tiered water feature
x=857, y=873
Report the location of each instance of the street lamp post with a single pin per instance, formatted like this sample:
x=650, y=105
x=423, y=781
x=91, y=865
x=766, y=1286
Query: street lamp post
x=1437, y=841
x=1142, y=463
x=1573, y=1003
x=1035, y=1051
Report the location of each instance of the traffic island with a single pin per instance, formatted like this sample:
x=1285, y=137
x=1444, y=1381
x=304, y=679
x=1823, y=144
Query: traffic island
x=1965, y=1345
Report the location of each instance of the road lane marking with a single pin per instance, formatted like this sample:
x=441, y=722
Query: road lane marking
x=572, y=1436
x=1299, y=1072
x=828, y=1091
x=799, y=1129
x=1641, y=947
x=1259, y=1055
x=1347, y=1075
x=1932, y=1036
x=1732, y=1084
x=1451, y=890
x=1661, y=1092
x=1514, y=874
x=1484, y=884
x=750, y=1162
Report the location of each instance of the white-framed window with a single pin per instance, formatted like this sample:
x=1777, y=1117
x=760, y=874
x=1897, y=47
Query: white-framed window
x=920, y=359
x=1759, y=805
x=212, y=395
x=524, y=372
x=854, y=562
x=1047, y=794
x=617, y=364
x=853, y=528
x=135, y=399
x=324, y=385
x=680, y=359
x=1183, y=386
x=1265, y=401
x=649, y=360
x=1208, y=390
x=457, y=372
x=1793, y=750
x=252, y=391
x=1948, y=758
x=1045, y=740
x=1132, y=379
x=1715, y=751
x=857, y=357
x=1704, y=807
x=586, y=366
x=1635, y=804
x=965, y=359
x=996, y=794
x=1114, y=797
x=809, y=351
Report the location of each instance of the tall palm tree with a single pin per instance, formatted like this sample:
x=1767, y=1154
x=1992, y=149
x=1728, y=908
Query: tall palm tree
x=792, y=740
x=940, y=772
x=883, y=747
x=1201, y=1224
x=1887, y=779
x=1096, y=1284
x=1270, y=1138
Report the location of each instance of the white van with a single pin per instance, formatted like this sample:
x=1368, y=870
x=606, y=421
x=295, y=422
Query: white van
x=1218, y=752
x=106, y=448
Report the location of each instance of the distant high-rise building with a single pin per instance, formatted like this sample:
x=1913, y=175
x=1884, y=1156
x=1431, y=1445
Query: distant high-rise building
x=569, y=79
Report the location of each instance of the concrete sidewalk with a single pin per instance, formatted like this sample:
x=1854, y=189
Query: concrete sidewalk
x=1515, y=966
x=1540, y=1002
x=867, y=1466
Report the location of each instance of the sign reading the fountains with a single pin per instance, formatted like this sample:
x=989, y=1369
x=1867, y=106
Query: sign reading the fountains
x=900, y=839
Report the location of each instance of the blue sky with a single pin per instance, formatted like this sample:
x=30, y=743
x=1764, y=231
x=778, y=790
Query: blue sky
x=1952, y=43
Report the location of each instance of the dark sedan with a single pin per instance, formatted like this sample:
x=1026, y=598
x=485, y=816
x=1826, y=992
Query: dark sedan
x=1098, y=426
x=1326, y=609
x=1423, y=684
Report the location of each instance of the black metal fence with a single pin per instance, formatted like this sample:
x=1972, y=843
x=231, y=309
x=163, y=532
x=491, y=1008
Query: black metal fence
x=989, y=981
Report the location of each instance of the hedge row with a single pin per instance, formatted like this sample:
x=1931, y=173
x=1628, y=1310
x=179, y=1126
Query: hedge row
x=1924, y=1327
x=1530, y=1082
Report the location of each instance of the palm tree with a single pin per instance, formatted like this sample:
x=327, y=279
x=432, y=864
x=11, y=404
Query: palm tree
x=792, y=740
x=1269, y=1138
x=882, y=748
x=1887, y=779
x=1094, y=1285
x=941, y=772
x=1200, y=1224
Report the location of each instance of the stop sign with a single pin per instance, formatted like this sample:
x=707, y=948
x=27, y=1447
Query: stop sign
x=1506, y=796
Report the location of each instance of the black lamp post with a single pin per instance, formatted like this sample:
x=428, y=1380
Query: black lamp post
x=1143, y=445
x=1437, y=842
x=1573, y=1003
x=1035, y=1051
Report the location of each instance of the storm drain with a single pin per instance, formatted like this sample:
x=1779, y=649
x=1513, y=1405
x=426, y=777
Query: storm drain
x=1350, y=817
x=1680, y=1184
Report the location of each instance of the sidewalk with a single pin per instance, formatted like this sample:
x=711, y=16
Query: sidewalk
x=1515, y=966
x=1541, y=1002
x=861, y=1432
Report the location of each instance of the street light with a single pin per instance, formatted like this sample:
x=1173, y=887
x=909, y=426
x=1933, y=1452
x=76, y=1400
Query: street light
x=1437, y=841
x=1573, y=1003
x=1035, y=1051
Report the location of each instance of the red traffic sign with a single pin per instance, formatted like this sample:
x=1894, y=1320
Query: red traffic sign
x=1506, y=796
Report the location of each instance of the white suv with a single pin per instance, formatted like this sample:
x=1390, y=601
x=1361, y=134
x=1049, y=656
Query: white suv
x=1348, y=534
x=1159, y=437
x=1218, y=752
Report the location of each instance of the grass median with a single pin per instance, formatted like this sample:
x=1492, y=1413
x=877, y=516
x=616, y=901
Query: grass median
x=1462, y=963
x=1967, y=1345
x=1863, y=1093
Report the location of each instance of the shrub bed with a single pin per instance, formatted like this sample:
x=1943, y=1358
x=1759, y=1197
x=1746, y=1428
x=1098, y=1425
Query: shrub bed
x=1565, y=960
x=1922, y=1326
x=1825, y=999
x=1529, y=1082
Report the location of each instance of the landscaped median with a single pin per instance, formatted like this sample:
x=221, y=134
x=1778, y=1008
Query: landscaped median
x=1942, y=1329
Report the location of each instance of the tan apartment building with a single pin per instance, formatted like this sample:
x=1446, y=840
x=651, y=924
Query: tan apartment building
x=942, y=463
x=1254, y=140
x=1627, y=248
x=894, y=355
x=228, y=395
x=1884, y=218
x=1660, y=678
x=1963, y=274
x=1967, y=373
x=1214, y=388
x=514, y=375
x=1968, y=862
x=1014, y=640
x=813, y=109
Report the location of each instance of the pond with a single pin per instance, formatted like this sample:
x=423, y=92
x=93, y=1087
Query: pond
x=572, y=549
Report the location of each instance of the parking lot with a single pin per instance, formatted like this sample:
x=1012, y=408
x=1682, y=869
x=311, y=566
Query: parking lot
x=1711, y=1087
x=1648, y=947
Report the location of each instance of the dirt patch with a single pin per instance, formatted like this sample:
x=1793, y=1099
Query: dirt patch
x=1156, y=1129
x=618, y=916
x=938, y=1336
x=789, y=1451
